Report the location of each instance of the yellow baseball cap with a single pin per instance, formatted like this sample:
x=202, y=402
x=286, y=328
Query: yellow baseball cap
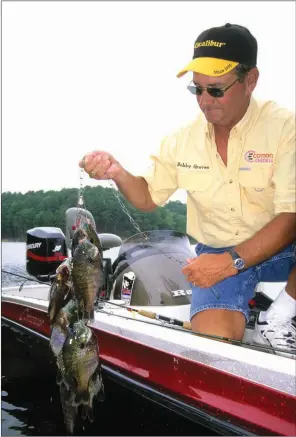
x=220, y=49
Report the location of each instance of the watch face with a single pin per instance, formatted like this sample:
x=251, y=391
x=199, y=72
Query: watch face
x=239, y=264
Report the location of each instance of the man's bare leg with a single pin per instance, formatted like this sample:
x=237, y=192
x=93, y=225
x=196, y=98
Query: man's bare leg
x=225, y=323
x=291, y=284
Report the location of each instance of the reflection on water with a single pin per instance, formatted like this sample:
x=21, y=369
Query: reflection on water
x=30, y=395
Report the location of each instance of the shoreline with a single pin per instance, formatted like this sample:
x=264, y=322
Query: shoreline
x=12, y=241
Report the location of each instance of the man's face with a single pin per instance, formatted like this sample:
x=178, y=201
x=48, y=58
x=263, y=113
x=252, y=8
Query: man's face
x=221, y=111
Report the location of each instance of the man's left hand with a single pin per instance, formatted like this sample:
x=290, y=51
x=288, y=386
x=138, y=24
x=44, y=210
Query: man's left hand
x=208, y=269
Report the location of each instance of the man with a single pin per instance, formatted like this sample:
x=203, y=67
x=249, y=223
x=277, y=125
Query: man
x=237, y=163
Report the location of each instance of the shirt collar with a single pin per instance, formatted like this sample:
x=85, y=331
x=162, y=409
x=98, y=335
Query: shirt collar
x=244, y=122
x=241, y=126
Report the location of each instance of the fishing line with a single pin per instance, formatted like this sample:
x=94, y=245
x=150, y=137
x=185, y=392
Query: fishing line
x=132, y=221
x=26, y=277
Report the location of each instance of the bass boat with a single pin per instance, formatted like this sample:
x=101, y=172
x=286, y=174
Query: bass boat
x=146, y=343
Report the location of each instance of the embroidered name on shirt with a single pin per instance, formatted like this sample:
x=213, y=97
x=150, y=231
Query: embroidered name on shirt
x=195, y=166
x=252, y=156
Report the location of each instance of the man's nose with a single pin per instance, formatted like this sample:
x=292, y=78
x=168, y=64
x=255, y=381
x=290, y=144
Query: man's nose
x=205, y=98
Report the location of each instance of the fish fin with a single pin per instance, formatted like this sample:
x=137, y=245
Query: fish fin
x=81, y=398
x=71, y=384
x=89, y=316
x=59, y=378
x=101, y=395
x=80, y=309
x=52, y=312
x=96, y=384
x=60, y=361
x=69, y=425
x=83, y=413
x=87, y=413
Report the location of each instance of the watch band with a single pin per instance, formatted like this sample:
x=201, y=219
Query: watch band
x=238, y=262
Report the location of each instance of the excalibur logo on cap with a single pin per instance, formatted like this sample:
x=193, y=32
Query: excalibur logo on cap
x=209, y=43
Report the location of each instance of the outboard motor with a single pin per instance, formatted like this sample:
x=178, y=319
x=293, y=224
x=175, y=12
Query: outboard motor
x=45, y=251
x=147, y=273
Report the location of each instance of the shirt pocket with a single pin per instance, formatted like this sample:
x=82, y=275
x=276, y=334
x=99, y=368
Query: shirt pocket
x=198, y=185
x=257, y=190
x=256, y=179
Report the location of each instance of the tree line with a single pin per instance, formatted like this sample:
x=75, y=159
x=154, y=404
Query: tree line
x=21, y=212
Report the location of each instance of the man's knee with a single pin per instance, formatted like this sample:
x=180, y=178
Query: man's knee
x=220, y=322
x=291, y=284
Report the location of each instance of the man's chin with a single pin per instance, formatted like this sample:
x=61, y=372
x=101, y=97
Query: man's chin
x=213, y=116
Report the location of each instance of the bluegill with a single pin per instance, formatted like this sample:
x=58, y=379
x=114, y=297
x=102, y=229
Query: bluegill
x=87, y=277
x=78, y=237
x=70, y=411
x=78, y=363
x=93, y=237
x=66, y=317
x=60, y=291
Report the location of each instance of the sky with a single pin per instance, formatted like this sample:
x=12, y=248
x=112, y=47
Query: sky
x=82, y=76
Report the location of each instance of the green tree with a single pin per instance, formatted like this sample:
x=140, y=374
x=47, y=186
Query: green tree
x=21, y=212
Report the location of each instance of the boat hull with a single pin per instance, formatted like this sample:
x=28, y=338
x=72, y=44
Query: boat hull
x=223, y=401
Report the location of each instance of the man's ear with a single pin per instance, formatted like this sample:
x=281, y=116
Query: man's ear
x=251, y=80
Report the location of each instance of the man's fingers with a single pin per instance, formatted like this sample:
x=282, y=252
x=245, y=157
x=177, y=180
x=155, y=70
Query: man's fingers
x=100, y=165
x=112, y=169
x=95, y=155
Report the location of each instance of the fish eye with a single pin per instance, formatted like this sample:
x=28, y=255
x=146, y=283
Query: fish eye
x=82, y=346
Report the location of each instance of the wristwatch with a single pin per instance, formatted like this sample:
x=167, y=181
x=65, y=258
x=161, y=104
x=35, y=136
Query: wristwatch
x=238, y=262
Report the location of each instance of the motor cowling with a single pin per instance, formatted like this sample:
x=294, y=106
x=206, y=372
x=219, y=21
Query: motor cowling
x=148, y=272
x=45, y=250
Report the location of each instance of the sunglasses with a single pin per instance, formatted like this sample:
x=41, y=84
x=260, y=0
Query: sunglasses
x=215, y=92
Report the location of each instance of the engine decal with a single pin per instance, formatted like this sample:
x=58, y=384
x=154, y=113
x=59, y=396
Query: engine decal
x=56, y=257
x=178, y=293
x=127, y=285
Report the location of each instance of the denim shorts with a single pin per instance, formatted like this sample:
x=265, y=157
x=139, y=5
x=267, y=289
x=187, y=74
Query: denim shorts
x=234, y=293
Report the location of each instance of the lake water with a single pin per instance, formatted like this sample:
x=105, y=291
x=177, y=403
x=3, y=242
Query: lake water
x=30, y=396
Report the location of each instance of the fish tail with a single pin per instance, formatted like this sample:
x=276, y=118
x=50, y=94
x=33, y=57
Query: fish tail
x=69, y=411
x=69, y=424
